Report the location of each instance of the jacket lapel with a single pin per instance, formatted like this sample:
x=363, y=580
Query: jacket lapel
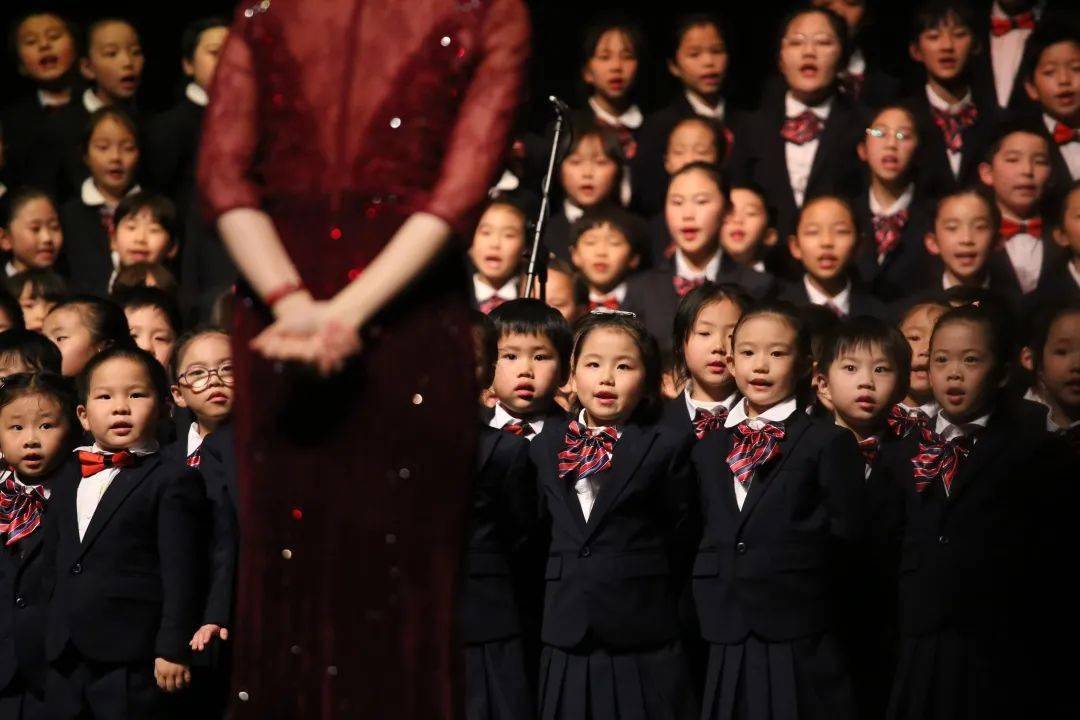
x=115, y=495
x=551, y=444
x=485, y=449
x=630, y=449
x=30, y=547
x=793, y=430
x=826, y=149
x=987, y=447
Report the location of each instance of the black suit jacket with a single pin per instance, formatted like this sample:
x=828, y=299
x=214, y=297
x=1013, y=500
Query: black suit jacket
x=217, y=466
x=862, y=302
x=651, y=294
x=23, y=602
x=615, y=580
x=898, y=276
x=504, y=514
x=935, y=174
x=30, y=154
x=172, y=144
x=131, y=589
x=1053, y=259
x=768, y=569
x=85, y=258
x=983, y=86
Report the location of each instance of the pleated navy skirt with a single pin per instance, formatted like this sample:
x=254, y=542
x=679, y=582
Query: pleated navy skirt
x=496, y=684
x=598, y=685
x=799, y=680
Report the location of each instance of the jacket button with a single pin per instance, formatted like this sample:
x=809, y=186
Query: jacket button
x=76, y=569
x=20, y=602
x=740, y=547
x=586, y=551
x=943, y=540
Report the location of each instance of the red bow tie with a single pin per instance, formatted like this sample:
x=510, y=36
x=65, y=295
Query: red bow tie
x=609, y=302
x=586, y=451
x=20, y=511
x=92, y=462
x=1004, y=25
x=753, y=449
x=1011, y=228
x=953, y=124
x=1063, y=134
x=685, y=285
x=887, y=229
x=869, y=448
x=802, y=128
x=519, y=428
x=626, y=138
x=939, y=458
x=902, y=422
x=490, y=304
x=705, y=421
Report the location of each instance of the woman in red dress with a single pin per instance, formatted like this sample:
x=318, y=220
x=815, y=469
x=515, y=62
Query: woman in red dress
x=348, y=142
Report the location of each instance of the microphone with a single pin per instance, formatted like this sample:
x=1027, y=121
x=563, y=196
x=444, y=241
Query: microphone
x=560, y=107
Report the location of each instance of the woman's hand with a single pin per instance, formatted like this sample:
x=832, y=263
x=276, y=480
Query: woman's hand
x=310, y=332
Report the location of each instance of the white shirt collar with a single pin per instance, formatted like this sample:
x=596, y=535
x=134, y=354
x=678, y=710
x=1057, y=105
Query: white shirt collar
x=1050, y=123
x=857, y=64
x=692, y=405
x=777, y=413
x=194, y=439
x=9, y=269
x=502, y=417
x=507, y=182
x=944, y=106
x=619, y=293
x=1074, y=272
x=147, y=447
x=572, y=211
x=581, y=421
x=196, y=94
x=25, y=488
x=45, y=101
x=794, y=108
x=930, y=408
x=485, y=292
x=630, y=118
x=91, y=196
x=841, y=300
x=91, y=101
x=683, y=269
x=902, y=203
x=948, y=430
x=1034, y=396
x=713, y=112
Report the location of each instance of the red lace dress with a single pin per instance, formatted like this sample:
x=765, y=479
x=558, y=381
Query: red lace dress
x=340, y=118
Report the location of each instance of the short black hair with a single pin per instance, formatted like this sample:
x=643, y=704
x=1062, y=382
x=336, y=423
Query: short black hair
x=1012, y=126
x=616, y=20
x=18, y=199
x=1040, y=329
x=161, y=208
x=979, y=191
x=621, y=220
x=585, y=127
x=487, y=341
x=137, y=274
x=88, y=34
x=154, y=369
x=710, y=171
x=13, y=31
x=10, y=307
x=185, y=340
x=984, y=315
x=1045, y=35
x=142, y=297
x=579, y=285
x=686, y=22
x=44, y=284
x=932, y=14
x=719, y=138
x=189, y=41
x=649, y=407
x=103, y=318
x=32, y=348
x=862, y=332
x=109, y=112
x=690, y=306
x=753, y=187
x=527, y=316
x=790, y=315
x=47, y=383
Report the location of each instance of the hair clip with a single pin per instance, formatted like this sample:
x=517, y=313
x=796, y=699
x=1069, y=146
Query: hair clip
x=612, y=311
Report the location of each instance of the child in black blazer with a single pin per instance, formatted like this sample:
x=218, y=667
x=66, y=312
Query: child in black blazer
x=977, y=614
x=125, y=552
x=997, y=71
x=1052, y=355
x=37, y=432
x=782, y=499
x=1056, y=45
x=617, y=491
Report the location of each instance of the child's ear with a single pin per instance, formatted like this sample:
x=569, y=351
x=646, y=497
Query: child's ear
x=87, y=69
x=771, y=237
x=986, y=174
x=635, y=260
x=173, y=249
x=1032, y=93
x=793, y=247
x=188, y=67
x=1059, y=238
x=587, y=76
x=5, y=241
x=860, y=150
x=1027, y=359
x=178, y=399
x=821, y=386
x=80, y=411
x=932, y=247
x=915, y=52
x=674, y=70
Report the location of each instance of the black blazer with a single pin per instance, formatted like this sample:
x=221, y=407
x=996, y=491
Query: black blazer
x=1060, y=177
x=30, y=154
x=217, y=466
x=131, y=589
x=935, y=174
x=767, y=570
x=651, y=294
x=1056, y=287
x=85, y=258
x=172, y=145
x=1053, y=259
x=23, y=602
x=983, y=87
x=676, y=417
x=862, y=302
x=759, y=156
x=504, y=509
x=895, y=278
x=206, y=269
x=616, y=579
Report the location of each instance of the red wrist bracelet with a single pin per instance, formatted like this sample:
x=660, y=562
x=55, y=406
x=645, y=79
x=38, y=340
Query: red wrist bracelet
x=282, y=291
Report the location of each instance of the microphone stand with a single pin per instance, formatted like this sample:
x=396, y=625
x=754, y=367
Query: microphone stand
x=538, y=257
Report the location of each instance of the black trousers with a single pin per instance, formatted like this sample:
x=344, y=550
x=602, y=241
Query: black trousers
x=77, y=688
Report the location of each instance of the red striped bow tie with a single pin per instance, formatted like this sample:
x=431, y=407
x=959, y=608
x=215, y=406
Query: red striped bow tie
x=685, y=285
x=626, y=138
x=802, y=128
x=609, y=302
x=902, y=421
x=753, y=449
x=194, y=460
x=869, y=448
x=938, y=458
x=1011, y=228
x=1004, y=25
x=490, y=304
x=1063, y=134
x=20, y=511
x=519, y=428
x=887, y=229
x=93, y=462
x=586, y=451
x=705, y=421
x=952, y=124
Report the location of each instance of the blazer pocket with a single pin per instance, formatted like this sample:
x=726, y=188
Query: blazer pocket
x=642, y=565
x=553, y=571
x=482, y=564
x=707, y=564
x=147, y=589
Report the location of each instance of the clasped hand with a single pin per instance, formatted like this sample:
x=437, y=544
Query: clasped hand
x=311, y=332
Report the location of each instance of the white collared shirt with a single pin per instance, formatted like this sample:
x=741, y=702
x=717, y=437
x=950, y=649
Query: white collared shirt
x=948, y=430
x=901, y=203
x=93, y=488
x=485, y=292
x=800, y=158
x=10, y=269
x=1074, y=272
x=1052, y=427
x=777, y=413
x=508, y=182
x=630, y=118
x=683, y=269
x=572, y=212
x=24, y=488
x=588, y=488
x=47, y=102
x=931, y=409
x=936, y=102
x=91, y=101
x=692, y=405
x=841, y=301
x=1070, y=151
x=619, y=293
x=194, y=439
x=699, y=106
x=1006, y=52
x=1025, y=253
x=196, y=94
x=502, y=417
x=92, y=196
x=857, y=64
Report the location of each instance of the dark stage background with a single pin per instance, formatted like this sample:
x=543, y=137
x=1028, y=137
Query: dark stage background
x=558, y=26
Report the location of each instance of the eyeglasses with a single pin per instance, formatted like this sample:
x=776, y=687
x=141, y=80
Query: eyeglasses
x=820, y=40
x=198, y=377
x=880, y=131
x=612, y=311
